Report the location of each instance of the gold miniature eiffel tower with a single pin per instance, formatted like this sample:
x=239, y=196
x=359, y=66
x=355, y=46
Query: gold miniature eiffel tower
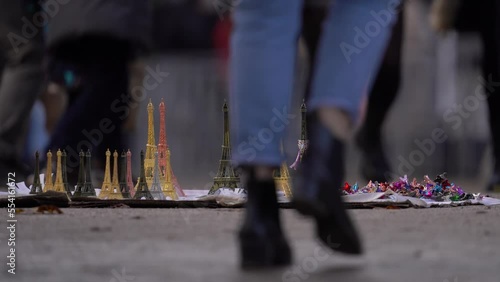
x=115, y=193
x=36, y=188
x=106, y=184
x=149, y=161
x=282, y=178
x=170, y=186
x=49, y=184
x=226, y=176
x=59, y=184
x=141, y=189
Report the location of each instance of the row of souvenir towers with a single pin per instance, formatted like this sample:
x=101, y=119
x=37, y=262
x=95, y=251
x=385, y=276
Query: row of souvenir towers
x=157, y=180
x=116, y=185
x=119, y=184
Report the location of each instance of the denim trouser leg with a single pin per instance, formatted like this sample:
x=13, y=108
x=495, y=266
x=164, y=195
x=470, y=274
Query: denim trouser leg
x=262, y=64
x=354, y=37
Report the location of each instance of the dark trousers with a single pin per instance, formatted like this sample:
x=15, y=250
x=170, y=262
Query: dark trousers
x=489, y=30
x=95, y=73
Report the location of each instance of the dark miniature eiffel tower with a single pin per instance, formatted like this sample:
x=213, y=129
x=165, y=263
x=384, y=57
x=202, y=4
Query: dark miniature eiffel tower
x=84, y=187
x=88, y=188
x=282, y=178
x=226, y=176
x=142, y=190
x=156, y=190
x=302, y=143
x=67, y=188
x=303, y=121
x=123, y=187
x=36, y=188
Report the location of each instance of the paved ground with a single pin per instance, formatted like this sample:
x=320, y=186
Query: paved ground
x=443, y=244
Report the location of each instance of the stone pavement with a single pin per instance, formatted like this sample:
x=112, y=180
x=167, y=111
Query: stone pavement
x=142, y=245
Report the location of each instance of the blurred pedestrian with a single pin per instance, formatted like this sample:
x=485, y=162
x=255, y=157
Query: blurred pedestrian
x=374, y=164
x=91, y=44
x=263, y=52
x=21, y=82
x=480, y=17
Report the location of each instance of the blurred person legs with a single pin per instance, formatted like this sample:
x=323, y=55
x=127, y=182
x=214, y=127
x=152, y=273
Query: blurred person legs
x=263, y=52
x=21, y=83
x=91, y=43
x=339, y=83
x=482, y=17
x=94, y=71
x=490, y=36
x=262, y=61
x=55, y=101
x=137, y=74
x=374, y=164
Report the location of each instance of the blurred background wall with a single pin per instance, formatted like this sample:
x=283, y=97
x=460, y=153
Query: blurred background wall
x=437, y=73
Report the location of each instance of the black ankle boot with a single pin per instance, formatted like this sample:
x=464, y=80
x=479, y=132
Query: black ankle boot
x=262, y=243
x=374, y=164
x=317, y=191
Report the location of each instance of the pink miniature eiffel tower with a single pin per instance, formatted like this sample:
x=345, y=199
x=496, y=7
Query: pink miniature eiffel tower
x=130, y=183
x=168, y=177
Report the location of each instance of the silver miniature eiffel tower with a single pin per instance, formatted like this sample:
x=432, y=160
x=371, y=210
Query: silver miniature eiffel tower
x=155, y=189
x=124, y=189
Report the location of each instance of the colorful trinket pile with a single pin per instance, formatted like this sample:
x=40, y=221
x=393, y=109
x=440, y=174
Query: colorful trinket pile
x=439, y=190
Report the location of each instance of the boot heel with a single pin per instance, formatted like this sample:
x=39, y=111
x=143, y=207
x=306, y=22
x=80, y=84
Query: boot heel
x=255, y=254
x=263, y=252
x=306, y=208
x=262, y=243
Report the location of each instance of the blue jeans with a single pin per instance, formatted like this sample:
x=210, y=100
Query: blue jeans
x=262, y=67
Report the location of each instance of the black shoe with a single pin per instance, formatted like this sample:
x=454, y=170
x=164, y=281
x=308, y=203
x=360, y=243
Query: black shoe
x=374, y=164
x=262, y=243
x=317, y=191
